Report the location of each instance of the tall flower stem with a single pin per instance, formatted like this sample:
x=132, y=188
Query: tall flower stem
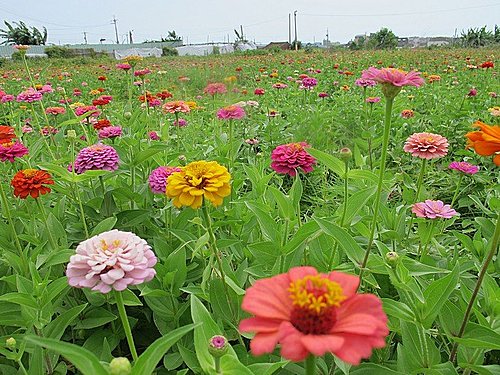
x=216, y=252
x=230, y=145
x=126, y=325
x=428, y=240
x=346, y=192
x=385, y=144
x=52, y=241
x=310, y=365
x=77, y=190
x=457, y=190
x=489, y=257
x=420, y=180
x=22, y=255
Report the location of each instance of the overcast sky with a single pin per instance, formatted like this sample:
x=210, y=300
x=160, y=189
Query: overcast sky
x=263, y=20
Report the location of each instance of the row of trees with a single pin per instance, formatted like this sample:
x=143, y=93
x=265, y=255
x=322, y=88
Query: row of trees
x=20, y=33
x=480, y=37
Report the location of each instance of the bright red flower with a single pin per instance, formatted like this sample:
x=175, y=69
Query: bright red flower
x=7, y=134
x=307, y=312
x=31, y=182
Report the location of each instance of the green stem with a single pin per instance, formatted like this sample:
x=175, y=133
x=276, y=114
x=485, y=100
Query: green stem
x=230, y=146
x=310, y=365
x=489, y=257
x=22, y=255
x=457, y=190
x=385, y=144
x=78, y=196
x=420, y=180
x=346, y=193
x=428, y=240
x=52, y=241
x=216, y=252
x=217, y=365
x=126, y=324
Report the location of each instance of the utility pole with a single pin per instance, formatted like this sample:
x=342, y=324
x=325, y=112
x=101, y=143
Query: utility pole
x=130, y=37
x=295, y=23
x=241, y=28
x=85, y=37
x=114, y=20
x=290, y=28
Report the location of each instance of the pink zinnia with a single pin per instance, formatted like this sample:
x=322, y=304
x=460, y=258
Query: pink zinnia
x=259, y=91
x=426, y=145
x=141, y=72
x=393, y=77
x=180, y=122
x=407, y=113
x=323, y=95
x=158, y=178
x=29, y=96
x=309, y=82
x=372, y=99
x=215, y=88
x=55, y=111
x=280, y=86
x=433, y=210
x=472, y=92
x=110, y=132
x=464, y=167
x=287, y=159
x=7, y=98
x=154, y=136
x=362, y=82
x=177, y=106
x=232, y=112
x=96, y=157
x=311, y=313
x=12, y=150
x=111, y=260
x=87, y=109
x=123, y=66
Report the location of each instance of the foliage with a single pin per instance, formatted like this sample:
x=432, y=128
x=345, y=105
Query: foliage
x=58, y=52
x=168, y=51
x=20, y=33
x=480, y=37
x=383, y=39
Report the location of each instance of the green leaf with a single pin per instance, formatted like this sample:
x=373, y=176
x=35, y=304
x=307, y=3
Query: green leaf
x=104, y=226
x=437, y=294
x=96, y=318
x=266, y=222
x=478, y=336
x=22, y=299
x=146, y=363
x=83, y=359
x=398, y=310
x=334, y=164
x=353, y=251
x=55, y=329
x=374, y=369
x=355, y=203
x=231, y=365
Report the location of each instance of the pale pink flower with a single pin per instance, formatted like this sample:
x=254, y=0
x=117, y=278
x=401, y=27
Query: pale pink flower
x=433, y=210
x=426, y=145
x=111, y=260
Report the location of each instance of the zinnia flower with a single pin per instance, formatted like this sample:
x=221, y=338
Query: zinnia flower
x=407, y=113
x=55, y=111
x=215, y=88
x=111, y=260
x=10, y=151
x=31, y=182
x=426, y=145
x=362, y=82
x=259, y=91
x=110, y=132
x=142, y=72
x=286, y=159
x=494, y=111
x=433, y=210
x=232, y=112
x=29, y=96
x=309, y=83
x=96, y=157
x=464, y=167
x=392, y=80
x=158, y=178
x=7, y=134
x=307, y=312
x=154, y=136
x=486, y=141
x=177, y=106
x=372, y=99
x=198, y=180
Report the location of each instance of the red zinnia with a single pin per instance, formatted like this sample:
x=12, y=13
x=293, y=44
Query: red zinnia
x=7, y=134
x=310, y=312
x=31, y=182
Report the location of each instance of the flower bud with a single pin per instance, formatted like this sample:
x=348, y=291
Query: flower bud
x=218, y=346
x=392, y=258
x=11, y=343
x=127, y=114
x=120, y=366
x=345, y=153
x=71, y=134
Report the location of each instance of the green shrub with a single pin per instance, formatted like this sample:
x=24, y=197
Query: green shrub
x=16, y=56
x=58, y=52
x=169, y=51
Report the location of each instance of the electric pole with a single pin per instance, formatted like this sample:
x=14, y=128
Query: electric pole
x=85, y=37
x=290, y=28
x=295, y=23
x=130, y=37
x=114, y=20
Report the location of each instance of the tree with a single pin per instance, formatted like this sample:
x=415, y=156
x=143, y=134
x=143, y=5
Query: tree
x=22, y=34
x=172, y=37
x=478, y=37
x=357, y=44
x=383, y=39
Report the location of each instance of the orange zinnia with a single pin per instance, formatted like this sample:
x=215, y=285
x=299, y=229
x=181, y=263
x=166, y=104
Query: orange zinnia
x=7, y=134
x=486, y=141
x=31, y=182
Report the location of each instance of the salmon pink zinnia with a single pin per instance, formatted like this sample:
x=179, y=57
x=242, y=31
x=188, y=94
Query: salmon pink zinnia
x=426, y=145
x=307, y=312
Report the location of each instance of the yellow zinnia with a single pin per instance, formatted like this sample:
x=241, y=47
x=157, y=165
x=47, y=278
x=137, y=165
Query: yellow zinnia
x=197, y=180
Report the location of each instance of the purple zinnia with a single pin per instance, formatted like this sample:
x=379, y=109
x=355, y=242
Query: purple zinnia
x=29, y=96
x=433, y=210
x=308, y=83
x=97, y=157
x=464, y=167
x=12, y=150
x=158, y=178
x=110, y=132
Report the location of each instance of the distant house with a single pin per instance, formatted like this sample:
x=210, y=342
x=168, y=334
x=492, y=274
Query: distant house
x=439, y=41
x=280, y=45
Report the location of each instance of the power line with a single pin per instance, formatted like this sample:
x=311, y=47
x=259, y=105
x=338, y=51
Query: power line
x=401, y=14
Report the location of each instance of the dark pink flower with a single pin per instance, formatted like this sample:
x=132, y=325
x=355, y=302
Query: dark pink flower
x=232, y=112
x=158, y=178
x=393, y=77
x=97, y=157
x=464, y=167
x=12, y=150
x=110, y=132
x=287, y=159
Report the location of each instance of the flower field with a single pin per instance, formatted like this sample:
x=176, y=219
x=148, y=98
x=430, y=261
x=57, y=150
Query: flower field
x=286, y=213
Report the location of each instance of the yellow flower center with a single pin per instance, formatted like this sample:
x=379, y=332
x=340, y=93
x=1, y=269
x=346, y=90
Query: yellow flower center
x=316, y=293
x=29, y=172
x=113, y=246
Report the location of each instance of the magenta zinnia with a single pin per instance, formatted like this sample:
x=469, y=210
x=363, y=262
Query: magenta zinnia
x=158, y=178
x=232, y=112
x=287, y=159
x=433, y=210
x=426, y=145
x=11, y=151
x=464, y=167
x=96, y=157
x=111, y=260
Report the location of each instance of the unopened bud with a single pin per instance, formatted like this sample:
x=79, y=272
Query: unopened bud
x=345, y=153
x=127, y=114
x=11, y=343
x=218, y=346
x=120, y=366
x=71, y=134
x=392, y=258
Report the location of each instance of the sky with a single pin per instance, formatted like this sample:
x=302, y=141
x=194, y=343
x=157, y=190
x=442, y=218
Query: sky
x=199, y=21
